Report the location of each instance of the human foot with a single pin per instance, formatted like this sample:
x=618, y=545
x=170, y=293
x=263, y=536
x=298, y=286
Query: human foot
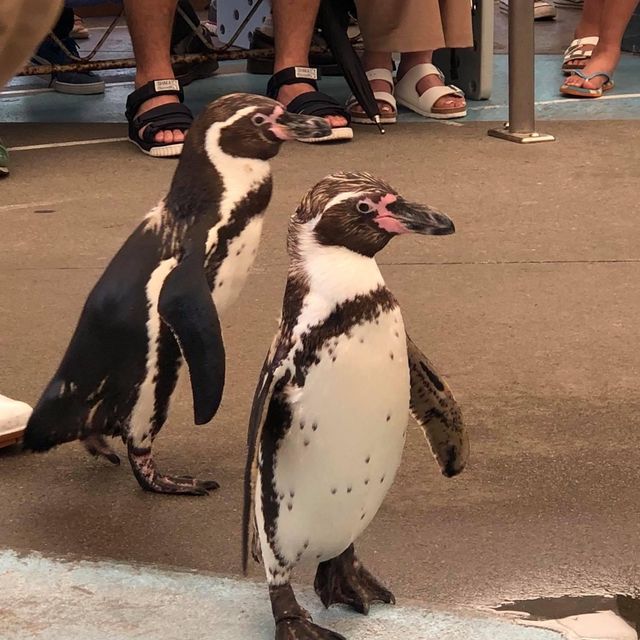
x=603, y=63
x=448, y=102
x=421, y=88
x=158, y=122
x=381, y=82
x=288, y=92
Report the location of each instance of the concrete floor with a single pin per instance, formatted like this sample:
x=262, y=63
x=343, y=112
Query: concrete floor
x=530, y=310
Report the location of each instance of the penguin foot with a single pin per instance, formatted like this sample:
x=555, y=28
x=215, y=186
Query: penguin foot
x=343, y=580
x=292, y=621
x=97, y=446
x=302, y=629
x=178, y=485
x=144, y=469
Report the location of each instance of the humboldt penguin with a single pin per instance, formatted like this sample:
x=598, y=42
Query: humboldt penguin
x=330, y=412
x=158, y=301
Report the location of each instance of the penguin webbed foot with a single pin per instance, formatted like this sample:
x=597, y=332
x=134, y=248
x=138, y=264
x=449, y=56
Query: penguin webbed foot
x=303, y=629
x=343, y=580
x=292, y=621
x=150, y=479
x=97, y=446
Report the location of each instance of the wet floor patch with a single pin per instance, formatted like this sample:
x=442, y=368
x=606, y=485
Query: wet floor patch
x=585, y=616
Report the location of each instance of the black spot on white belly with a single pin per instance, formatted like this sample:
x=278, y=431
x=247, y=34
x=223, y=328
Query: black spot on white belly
x=314, y=426
x=334, y=491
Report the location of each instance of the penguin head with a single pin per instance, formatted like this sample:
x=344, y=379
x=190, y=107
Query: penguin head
x=362, y=213
x=250, y=126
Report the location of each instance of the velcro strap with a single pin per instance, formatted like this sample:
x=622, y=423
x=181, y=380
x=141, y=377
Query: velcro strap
x=163, y=118
x=152, y=90
x=316, y=103
x=292, y=75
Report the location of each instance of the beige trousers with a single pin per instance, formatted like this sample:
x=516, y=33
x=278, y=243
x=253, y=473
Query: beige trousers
x=414, y=25
x=23, y=26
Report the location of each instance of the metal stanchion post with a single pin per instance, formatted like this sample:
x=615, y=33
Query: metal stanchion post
x=522, y=117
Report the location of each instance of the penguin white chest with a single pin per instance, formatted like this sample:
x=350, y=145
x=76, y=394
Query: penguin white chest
x=233, y=270
x=340, y=456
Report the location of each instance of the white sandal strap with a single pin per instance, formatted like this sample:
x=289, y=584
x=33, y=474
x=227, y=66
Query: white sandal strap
x=415, y=74
x=575, y=48
x=432, y=95
x=380, y=74
x=380, y=96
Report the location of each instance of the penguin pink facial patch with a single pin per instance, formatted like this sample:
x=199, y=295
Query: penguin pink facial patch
x=278, y=130
x=385, y=219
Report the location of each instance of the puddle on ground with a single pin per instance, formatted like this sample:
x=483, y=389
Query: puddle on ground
x=625, y=606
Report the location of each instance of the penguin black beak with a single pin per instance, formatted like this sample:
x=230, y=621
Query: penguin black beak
x=418, y=218
x=293, y=126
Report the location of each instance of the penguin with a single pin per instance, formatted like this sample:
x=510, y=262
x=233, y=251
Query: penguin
x=158, y=301
x=330, y=412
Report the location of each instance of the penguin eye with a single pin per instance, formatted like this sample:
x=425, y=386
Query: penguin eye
x=364, y=207
x=258, y=119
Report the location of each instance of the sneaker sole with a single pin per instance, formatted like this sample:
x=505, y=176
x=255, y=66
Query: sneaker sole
x=88, y=89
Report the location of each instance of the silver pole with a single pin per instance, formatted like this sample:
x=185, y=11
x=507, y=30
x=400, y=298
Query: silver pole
x=522, y=118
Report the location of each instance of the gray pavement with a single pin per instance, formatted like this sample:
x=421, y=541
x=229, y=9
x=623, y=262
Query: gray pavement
x=530, y=310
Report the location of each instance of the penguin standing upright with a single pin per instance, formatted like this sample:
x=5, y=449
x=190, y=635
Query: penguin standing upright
x=330, y=413
x=158, y=300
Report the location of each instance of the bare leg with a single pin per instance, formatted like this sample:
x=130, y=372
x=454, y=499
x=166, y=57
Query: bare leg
x=150, y=23
x=614, y=20
x=344, y=580
x=292, y=621
x=293, y=22
x=144, y=469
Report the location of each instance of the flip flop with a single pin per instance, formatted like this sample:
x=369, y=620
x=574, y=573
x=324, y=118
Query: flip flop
x=575, y=52
x=574, y=91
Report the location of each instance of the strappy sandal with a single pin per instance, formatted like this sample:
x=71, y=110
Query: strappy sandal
x=576, y=52
x=407, y=94
x=163, y=118
x=312, y=103
x=390, y=117
x=574, y=91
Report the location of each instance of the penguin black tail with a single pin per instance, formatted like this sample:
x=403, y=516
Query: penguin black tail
x=58, y=417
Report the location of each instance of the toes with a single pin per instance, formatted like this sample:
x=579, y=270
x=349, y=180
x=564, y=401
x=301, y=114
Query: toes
x=336, y=121
x=178, y=136
x=159, y=137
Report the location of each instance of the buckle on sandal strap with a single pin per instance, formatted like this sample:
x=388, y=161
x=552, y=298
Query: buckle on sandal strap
x=306, y=73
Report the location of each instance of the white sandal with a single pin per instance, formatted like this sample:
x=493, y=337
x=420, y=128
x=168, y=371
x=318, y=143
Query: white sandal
x=575, y=51
x=407, y=95
x=381, y=96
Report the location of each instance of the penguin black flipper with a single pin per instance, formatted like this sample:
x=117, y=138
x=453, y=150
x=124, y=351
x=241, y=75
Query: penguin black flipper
x=186, y=306
x=437, y=412
x=272, y=372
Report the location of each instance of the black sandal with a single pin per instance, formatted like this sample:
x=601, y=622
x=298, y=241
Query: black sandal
x=162, y=118
x=312, y=103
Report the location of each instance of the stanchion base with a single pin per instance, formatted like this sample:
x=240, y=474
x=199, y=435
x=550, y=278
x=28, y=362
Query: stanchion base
x=522, y=138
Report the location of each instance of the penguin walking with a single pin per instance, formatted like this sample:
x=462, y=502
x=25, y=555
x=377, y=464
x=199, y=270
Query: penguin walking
x=330, y=412
x=159, y=299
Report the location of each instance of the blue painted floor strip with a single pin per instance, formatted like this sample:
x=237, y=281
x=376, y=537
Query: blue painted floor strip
x=622, y=103
x=48, y=599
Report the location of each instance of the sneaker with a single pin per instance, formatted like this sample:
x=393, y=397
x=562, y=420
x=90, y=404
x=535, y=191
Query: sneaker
x=73, y=82
x=542, y=10
x=79, y=31
x=4, y=161
x=188, y=72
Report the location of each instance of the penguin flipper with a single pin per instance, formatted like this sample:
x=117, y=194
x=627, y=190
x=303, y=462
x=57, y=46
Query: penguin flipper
x=270, y=375
x=186, y=306
x=435, y=409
